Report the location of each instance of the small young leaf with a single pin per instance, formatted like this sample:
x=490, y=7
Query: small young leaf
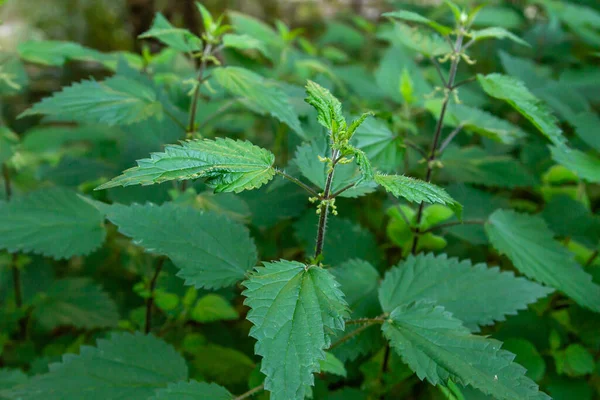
x=331, y=365
x=226, y=165
x=192, y=390
x=530, y=245
x=439, y=348
x=427, y=43
x=329, y=108
x=54, y=222
x=258, y=94
x=295, y=308
x=125, y=366
x=380, y=144
x=115, y=101
x=211, y=308
x=498, y=33
x=176, y=38
x=75, y=302
x=210, y=250
x=244, y=42
x=475, y=294
x=417, y=191
x=414, y=17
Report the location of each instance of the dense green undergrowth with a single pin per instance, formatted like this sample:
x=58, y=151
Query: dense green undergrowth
x=399, y=209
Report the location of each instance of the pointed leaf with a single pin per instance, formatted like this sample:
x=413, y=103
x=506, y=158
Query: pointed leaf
x=329, y=108
x=514, y=92
x=225, y=164
x=380, y=144
x=192, y=390
x=417, y=191
x=75, y=302
x=125, y=366
x=244, y=42
x=438, y=348
x=211, y=308
x=530, y=245
x=210, y=250
x=56, y=53
x=259, y=94
x=53, y=222
x=176, y=38
x=586, y=166
x=115, y=101
x=427, y=43
x=497, y=33
x=414, y=17
x=331, y=365
x=295, y=309
x=475, y=294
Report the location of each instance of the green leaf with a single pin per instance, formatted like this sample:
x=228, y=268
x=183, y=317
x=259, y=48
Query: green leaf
x=329, y=108
x=295, y=309
x=359, y=280
x=478, y=121
x=176, y=38
x=574, y=361
x=475, y=294
x=258, y=94
x=364, y=165
x=125, y=366
x=527, y=356
x=115, y=101
x=13, y=76
x=223, y=365
x=226, y=165
x=379, y=143
x=75, y=302
x=10, y=378
x=213, y=307
x=438, y=348
x=585, y=127
x=474, y=165
x=514, y=92
x=192, y=390
x=210, y=250
x=586, y=166
x=417, y=191
x=427, y=43
x=331, y=365
x=497, y=33
x=414, y=17
x=246, y=25
x=8, y=144
x=244, y=42
x=54, y=222
x=530, y=245
x=57, y=53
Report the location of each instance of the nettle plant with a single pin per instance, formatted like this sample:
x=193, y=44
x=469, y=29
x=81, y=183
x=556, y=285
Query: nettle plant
x=312, y=317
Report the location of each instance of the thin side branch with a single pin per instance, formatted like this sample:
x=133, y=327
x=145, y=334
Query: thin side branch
x=592, y=258
x=250, y=392
x=453, y=223
x=451, y=136
x=417, y=148
x=192, y=120
x=150, y=300
x=16, y=273
x=350, y=335
x=464, y=82
x=439, y=70
x=342, y=190
x=297, y=182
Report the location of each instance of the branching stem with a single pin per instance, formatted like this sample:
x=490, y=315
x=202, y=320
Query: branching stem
x=297, y=182
x=325, y=206
x=16, y=273
x=192, y=120
x=438, y=128
x=250, y=392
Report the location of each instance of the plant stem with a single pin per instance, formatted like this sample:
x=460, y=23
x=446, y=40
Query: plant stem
x=453, y=223
x=297, y=182
x=325, y=209
x=250, y=392
x=150, y=299
x=438, y=128
x=16, y=273
x=342, y=190
x=192, y=120
x=451, y=136
x=378, y=320
x=350, y=335
x=592, y=258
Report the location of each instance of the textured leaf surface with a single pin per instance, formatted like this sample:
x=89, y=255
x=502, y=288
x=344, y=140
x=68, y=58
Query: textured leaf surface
x=54, y=222
x=126, y=366
x=530, y=245
x=56, y=53
x=514, y=92
x=244, y=42
x=176, y=38
x=329, y=108
x=427, y=43
x=380, y=144
x=438, y=347
x=417, y=191
x=75, y=302
x=258, y=94
x=497, y=33
x=475, y=294
x=210, y=250
x=586, y=166
x=226, y=165
x=115, y=101
x=193, y=390
x=414, y=17
x=295, y=309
